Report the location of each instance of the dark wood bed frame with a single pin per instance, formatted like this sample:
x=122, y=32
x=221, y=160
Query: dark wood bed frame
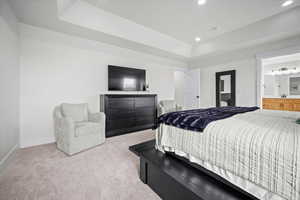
x=175, y=178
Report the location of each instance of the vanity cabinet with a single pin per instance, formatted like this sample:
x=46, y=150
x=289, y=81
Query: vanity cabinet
x=281, y=104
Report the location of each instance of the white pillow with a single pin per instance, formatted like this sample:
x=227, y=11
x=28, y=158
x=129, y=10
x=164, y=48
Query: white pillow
x=168, y=104
x=77, y=112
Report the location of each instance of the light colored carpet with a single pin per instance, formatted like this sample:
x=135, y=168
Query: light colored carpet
x=106, y=172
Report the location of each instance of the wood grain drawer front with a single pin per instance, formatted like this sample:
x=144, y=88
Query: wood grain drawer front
x=292, y=101
x=121, y=103
x=297, y=107
x=144, y=112
x=120, y=123
x=288, y=106
x=281, y=104
x=273, y=106
x=119, y=113
x=144, y=121
x=144, y=102
x=270, y=101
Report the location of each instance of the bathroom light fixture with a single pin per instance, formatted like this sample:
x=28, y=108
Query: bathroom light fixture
x=197, y=39
x=285, y=71
x=287, y=3
x=201, y=2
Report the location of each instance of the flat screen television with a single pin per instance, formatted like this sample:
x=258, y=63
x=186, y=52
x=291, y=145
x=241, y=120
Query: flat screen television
x=126, y=79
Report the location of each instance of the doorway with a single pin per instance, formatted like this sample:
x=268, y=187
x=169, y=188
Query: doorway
x=280, y=82
x=225, y=88
x=187, y=88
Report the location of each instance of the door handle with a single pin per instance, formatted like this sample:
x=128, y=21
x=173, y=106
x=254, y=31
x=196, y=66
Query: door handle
x=197, y=97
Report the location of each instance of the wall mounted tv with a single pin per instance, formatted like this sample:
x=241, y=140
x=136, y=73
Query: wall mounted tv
x=126, y=79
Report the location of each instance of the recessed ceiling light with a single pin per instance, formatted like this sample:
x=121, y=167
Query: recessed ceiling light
x=214, y=28
x=201, y=2
x=287, y=3
x=197, y=39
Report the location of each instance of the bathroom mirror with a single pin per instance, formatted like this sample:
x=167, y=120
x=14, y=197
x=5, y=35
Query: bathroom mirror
x=294, y=85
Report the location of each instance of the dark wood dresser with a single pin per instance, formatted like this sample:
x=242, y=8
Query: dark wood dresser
x=128, y=113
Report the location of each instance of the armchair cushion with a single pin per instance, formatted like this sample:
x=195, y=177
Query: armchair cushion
x=77, y=112
x=87, y=128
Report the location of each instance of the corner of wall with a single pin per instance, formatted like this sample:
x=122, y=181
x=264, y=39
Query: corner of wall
x=10, y=82
x=6, y=159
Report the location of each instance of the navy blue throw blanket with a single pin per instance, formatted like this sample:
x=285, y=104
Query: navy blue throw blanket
x=197, y=120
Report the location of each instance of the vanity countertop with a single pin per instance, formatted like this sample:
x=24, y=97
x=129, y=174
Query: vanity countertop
x=275, y=97
x=277, y=103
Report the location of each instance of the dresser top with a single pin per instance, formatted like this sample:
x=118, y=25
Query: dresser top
x=129, y=95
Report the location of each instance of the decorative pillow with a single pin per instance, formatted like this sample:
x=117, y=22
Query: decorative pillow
x=298, y=121
x=77, y=112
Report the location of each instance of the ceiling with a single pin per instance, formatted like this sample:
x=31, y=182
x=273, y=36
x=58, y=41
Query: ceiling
x=185, y=19
x=166, y=28
x=45, y=14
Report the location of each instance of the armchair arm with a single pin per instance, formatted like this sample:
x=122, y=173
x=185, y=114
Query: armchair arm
x=64, y=129
x=97, y=117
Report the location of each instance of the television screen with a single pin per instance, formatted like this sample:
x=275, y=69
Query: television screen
x=126, y=79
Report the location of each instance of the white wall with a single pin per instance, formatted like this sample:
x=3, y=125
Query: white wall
x=245, y=83
x=247, y=61
x=9, y=81
x=192, y=89
x=58, y=68
x=271, y=86
x=180, y=84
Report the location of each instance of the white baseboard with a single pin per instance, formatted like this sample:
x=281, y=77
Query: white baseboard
x=36, y=142
x=4, y=160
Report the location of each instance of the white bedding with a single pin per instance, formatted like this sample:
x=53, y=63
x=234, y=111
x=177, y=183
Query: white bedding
x=258, y=151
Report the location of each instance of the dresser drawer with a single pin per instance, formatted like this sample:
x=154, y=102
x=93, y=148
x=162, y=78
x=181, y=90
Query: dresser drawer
x=144, y=121
x=144, y=102
x=120, y=123
x=144, y=112
x=119, y=113
x=121, y=103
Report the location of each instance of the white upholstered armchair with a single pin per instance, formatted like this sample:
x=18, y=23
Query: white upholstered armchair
x=77, y=129
x=167, y=106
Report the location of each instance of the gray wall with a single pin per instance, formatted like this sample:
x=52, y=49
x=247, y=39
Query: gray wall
x=244, y=62
x=245, y=83
x=9, y=81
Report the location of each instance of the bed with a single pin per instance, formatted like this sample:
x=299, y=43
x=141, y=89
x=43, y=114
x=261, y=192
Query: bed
x=256, y=150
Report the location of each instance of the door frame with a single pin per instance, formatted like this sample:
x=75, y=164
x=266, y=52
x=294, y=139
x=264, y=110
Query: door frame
x=232, y=74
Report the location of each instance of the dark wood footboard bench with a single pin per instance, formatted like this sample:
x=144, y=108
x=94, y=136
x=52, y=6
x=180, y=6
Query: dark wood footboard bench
x=176, y=179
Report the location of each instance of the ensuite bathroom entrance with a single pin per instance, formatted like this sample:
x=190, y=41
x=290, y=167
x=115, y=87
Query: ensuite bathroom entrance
x=281, y=82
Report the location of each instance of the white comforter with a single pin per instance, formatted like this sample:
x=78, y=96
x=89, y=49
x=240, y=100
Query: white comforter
x=261, y=146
